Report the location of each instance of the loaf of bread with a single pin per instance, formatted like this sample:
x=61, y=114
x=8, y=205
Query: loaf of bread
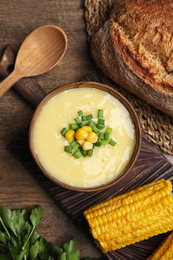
x=134, y=48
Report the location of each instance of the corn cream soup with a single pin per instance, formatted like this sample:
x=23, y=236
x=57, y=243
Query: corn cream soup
x=107, y=162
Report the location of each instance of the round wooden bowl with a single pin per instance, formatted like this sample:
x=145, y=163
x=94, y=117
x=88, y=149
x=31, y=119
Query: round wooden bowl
x=118, y=96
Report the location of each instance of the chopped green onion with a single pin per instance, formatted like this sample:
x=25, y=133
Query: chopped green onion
x=100, y=112
x=68, y=149
x=88, y=117
x=64, y=131
x=106, y=136
x=81, y=124
x=73, y=127
x=77, y=120
x=95, y=129
x=101, y=121
x=103, y=142
x=86, y=120
x=74, y=144
x=77, y=154
x=80, y=113
x=108, y=130
x=80, y=148
x=91, y=123
x=90, y=153
x=102, y=136
x=100, y=126
x=97, y=133
x=108, y=133
x=84, y=153
x=98, y=143
x=83, y=118
x=112, y=142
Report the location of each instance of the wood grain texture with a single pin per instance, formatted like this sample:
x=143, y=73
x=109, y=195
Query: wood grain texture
x=41, y=51
x=19, y=186
x=151, y=165
x=28, y=88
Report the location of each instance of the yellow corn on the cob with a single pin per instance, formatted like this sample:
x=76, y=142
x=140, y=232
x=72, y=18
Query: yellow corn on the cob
x=132, y=217
x=164, y=251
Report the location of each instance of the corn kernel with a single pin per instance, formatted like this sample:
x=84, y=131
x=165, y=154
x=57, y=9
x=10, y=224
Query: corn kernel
x=87, y=128
x=111, y=235
x=122, y=210
x=164, y=251
x=143, y=217
x=70, y=135
x=99, y=219
x=102, y=229
x=97, y=230
x=104, y=219
x=92, y=137
x=87, y=146
x=80, y=142
x=127, y=209
x=81, y=134
x=107, y=237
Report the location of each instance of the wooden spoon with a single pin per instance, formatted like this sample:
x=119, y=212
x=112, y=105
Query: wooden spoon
x=39, y=52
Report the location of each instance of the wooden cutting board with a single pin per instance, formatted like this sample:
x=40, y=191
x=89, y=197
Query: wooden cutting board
x=151, y=165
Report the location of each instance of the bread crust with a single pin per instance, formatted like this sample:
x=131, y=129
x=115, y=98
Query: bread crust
x=135, y=69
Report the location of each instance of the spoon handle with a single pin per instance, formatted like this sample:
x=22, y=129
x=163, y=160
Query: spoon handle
x=28, y=88
x=7, y=83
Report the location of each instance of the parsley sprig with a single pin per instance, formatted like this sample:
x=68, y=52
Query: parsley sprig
x=19, y=239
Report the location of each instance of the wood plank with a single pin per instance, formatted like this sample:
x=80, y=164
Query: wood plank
x=151, y=165
x=19, y=187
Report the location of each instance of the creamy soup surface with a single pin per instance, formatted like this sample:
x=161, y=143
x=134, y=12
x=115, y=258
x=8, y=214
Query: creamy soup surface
x=107, y=162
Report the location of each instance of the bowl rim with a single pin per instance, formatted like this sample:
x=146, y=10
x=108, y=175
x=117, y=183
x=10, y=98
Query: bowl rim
x=114, y=93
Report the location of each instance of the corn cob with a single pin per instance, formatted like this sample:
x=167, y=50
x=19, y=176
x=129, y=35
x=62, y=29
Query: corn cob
x=164, y=251
x=132, y=217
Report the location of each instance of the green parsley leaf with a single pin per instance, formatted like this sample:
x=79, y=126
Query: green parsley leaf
x=70, y=247
x=14, y=220
x=3, y=238
x=50, y=258
x=5, y=257
x=48, y=250
x=35, y=236
x=63, y=256
x=36, y=216
x=20, y=241
x=36, y=219
x=37, y=248
x=68, y=252
x=59, y=251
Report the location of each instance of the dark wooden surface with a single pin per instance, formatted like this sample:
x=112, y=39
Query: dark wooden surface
x=19, y=186
x=150, y=166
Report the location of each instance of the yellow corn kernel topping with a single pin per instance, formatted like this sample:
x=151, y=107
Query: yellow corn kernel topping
x=164, y=251
x=70, y=135
x=87, y=128
x=87, y=146
x=80, y=142
x=133, y=216
x=92, y=137
x=81, y=134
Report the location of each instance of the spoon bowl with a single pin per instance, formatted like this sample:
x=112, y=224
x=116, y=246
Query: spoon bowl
x=39, y=52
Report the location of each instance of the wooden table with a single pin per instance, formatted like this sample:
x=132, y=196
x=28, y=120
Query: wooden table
x=18, y=187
